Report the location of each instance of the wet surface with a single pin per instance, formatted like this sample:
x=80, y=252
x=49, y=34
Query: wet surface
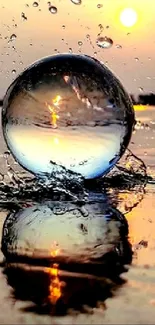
x=117, y=286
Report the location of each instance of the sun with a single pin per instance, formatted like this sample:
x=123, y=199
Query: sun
x=128, y=17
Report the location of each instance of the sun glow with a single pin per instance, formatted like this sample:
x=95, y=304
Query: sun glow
x=128, y=17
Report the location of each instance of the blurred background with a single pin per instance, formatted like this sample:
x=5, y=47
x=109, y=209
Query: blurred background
x=119, y=33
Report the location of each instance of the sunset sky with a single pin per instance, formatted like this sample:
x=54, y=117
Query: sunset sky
x=132, y=56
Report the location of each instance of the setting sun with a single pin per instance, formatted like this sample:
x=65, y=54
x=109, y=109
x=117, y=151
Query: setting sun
x=128, y=17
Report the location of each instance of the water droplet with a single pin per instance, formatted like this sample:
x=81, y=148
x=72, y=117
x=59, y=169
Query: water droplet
x=53, y=10
x=118, y=46
x=136, y=59
x=104, y=42
x=35, y=4
x=80, y=43
x=13, y=37
x=47, y=92
x=141, y=89
x=70, y=50
x=76, y=2
x=63, y=26
x=99, y=6
x=23, y=16
x=13, y=71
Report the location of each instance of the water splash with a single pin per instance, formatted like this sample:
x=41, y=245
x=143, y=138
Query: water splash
x=126, y=181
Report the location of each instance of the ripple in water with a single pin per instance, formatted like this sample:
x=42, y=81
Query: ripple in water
x=67, y=111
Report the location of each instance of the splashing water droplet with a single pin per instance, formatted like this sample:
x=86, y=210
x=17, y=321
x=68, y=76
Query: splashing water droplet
x=53, y=10
x=23, y=16
x=80, y=43
x=99, y=6
x=13, y=37
x=69, y=103
x=104, y=42
x=35, y=4
x=76, y=2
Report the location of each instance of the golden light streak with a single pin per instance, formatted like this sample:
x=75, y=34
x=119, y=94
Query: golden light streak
x=55, y=250
x=55, y=285
x=52, y=109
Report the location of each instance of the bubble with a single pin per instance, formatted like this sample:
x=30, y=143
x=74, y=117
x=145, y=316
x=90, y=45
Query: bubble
x=67, y=111
x=104, y=42
x=76, y=2
x=53, y=10
x=35, y=4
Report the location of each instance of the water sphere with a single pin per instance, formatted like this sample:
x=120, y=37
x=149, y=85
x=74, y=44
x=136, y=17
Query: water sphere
x=67, y=111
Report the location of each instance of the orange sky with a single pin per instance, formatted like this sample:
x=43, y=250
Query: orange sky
x=45, y=32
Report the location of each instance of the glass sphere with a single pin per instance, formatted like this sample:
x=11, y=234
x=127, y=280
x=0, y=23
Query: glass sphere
x=67, y=110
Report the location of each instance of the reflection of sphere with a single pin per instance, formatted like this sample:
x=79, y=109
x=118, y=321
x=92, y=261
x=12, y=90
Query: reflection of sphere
x=67, y=110
x=64, y=232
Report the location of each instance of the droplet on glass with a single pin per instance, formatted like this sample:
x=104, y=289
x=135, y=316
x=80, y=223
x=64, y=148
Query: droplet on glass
x=53, y=10
x=69, y=103
x=104, y=42
x=63, y=26
x=13, y=71
x=23, y=16
x=80, y=43
x=141, y=89
x=99, y=5
x=13, y=37
x=118, y=46
x=35, y=4
x=76, y=2
x=136, y=59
